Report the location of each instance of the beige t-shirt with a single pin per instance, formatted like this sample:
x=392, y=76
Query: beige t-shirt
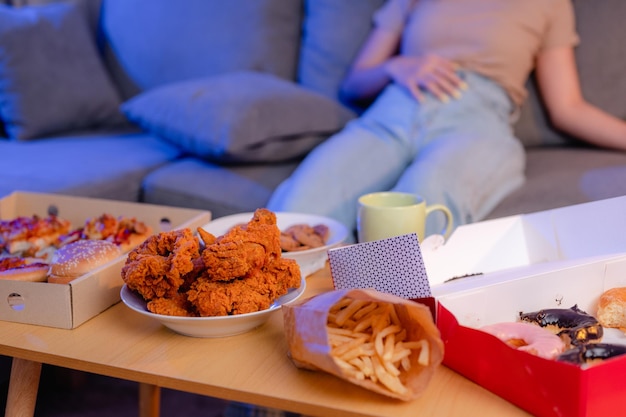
x=499, y=39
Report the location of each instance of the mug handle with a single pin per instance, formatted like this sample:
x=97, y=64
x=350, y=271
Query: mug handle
x=447, y=229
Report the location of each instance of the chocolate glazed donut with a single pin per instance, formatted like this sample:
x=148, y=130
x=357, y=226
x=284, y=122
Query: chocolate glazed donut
x=572, y=324
x=588, y=353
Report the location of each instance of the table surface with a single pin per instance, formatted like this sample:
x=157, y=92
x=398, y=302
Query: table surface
x=252, y=367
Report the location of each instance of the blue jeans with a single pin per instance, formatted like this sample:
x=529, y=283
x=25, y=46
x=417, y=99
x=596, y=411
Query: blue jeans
x=462, y=154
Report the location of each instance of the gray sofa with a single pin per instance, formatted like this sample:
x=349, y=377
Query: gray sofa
x=211, y=104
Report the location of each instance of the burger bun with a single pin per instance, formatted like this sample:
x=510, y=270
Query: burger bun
x=79, y=258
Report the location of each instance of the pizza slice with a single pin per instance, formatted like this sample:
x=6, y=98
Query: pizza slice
x=22, y=269
x=126, y=232
x=32, y=236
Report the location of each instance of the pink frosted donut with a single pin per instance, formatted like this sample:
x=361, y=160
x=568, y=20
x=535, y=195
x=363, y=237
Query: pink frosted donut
x=527, y=337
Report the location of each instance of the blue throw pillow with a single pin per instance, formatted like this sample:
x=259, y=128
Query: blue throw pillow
x=151, y=43
x=52, y=79
x=238, y=117
x=332, y=34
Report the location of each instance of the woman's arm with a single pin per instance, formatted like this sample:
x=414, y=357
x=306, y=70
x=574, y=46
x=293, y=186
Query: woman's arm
x=558, y=81
x=377, y=65
x=367, y=76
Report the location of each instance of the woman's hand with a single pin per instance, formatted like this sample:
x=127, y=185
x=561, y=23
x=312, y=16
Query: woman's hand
x=378, y=64
x=430, y=73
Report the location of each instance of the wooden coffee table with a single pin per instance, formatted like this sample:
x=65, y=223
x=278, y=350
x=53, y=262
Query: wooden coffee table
x=251, y=367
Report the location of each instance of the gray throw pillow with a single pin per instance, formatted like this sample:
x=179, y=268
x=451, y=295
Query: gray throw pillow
x=51, y=77
x=238, y=117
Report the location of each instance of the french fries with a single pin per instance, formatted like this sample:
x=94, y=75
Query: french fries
x=368, y=341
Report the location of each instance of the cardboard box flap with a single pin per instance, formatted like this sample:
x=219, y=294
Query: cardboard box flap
x=574, y=232
x=78, y=209
x=591, y=229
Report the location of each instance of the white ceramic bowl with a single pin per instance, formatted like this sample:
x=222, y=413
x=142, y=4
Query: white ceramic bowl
x=310, y=260
x=220, y=326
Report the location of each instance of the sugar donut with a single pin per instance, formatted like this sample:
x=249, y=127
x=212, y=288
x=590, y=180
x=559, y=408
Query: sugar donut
x=527, y=337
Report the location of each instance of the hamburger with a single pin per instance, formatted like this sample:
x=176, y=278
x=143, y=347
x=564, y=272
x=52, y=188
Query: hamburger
x=78, y=258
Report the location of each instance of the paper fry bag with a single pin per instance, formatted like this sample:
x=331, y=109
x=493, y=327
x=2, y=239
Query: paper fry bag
x=376, y=340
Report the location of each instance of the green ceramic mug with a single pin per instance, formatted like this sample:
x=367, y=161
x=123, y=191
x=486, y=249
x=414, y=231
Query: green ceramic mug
x=387, y=214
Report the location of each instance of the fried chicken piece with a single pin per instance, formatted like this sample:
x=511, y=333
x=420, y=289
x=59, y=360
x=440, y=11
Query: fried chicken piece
x=158, y=266
x=206, y=237
x=287, y=275
x=243, y=248
x=175, y=306
x=254, y=292
x=226, y=261
x=220, y=298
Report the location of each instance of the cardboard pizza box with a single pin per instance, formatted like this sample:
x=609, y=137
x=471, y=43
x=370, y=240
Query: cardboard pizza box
x=68, y=306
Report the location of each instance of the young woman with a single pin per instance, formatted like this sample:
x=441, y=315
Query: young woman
x=448, y=77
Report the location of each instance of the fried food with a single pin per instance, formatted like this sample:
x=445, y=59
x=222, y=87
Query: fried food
x=239, y=272
x=178, y=305
x=368, y=341
x=254, y=292
x=224, y=298
x=379, y=341
x=158, y=266
x=243, y=248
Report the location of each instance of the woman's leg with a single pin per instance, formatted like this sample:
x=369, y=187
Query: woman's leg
x=369, y=155
x=469, y=172
x=468, y=158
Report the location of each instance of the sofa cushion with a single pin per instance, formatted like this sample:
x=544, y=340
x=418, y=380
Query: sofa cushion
x=109, y=164
x=601, y=59
x=222, y=190
x=238, y=117
x=182, y=40
x=560, y=176
x=51, y=76
x=333, y=32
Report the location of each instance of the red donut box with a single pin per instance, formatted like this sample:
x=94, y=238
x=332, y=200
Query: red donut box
x=540, y=386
